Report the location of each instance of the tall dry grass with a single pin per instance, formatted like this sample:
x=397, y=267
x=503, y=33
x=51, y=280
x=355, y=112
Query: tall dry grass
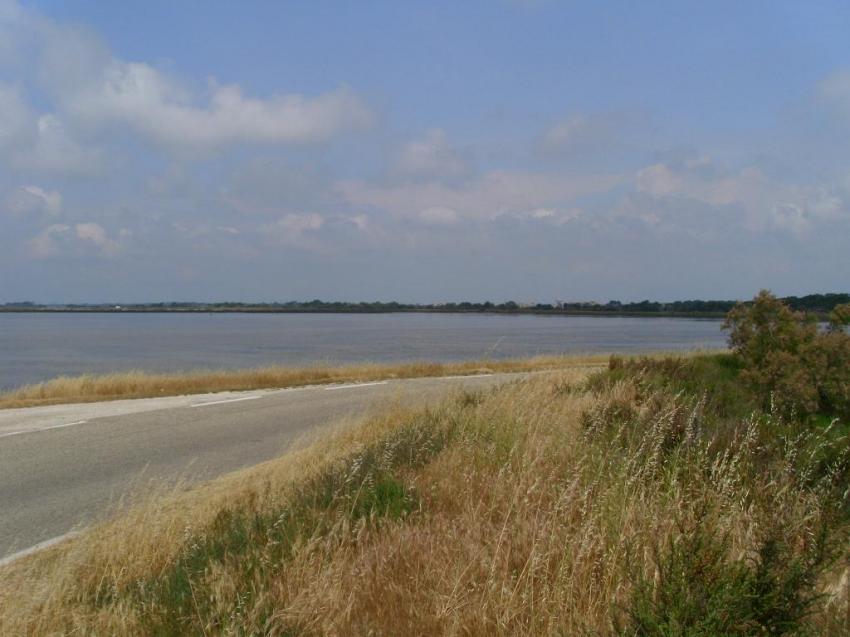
x=138, y=384
x=540, y=508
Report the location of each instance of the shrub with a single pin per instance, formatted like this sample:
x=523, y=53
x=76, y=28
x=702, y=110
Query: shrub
x=764, y=326
x=698, y=591
x=839, y=318
x=789, y=364
x=830, y=359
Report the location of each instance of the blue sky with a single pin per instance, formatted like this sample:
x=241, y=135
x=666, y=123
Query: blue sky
x=422, y=151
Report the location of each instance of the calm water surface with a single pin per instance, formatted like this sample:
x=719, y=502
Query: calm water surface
x=35, y=347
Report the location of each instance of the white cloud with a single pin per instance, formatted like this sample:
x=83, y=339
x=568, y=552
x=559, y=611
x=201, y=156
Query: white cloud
x=658, y=180
x=96, y=235
x=54, y=150
x=790, y=216
x=33, y=199
x=763, y=202
x=93, y=90
x=45, y=244
x=584, y=133
x=557, y=216
x=294, y=226
x=486, y=197
x=361, y=222
x=82, y=239
x=39, y=143
x=438, y=215
x=569, y=131
x=432, y=157
x=159, y=108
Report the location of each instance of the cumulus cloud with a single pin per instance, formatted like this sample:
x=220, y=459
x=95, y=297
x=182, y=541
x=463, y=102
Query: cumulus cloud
x=361, y=222
x=294, y=226
x=159, y=108
x=763, y=202
x=93, y=90
x=45, y=243
x=37, y=139
x=204, y=229
x=556, y=216
x=41, y=143
x=581, y=134
x=487, y=197
x=438, y=215
x=432, y=157
x=577, y=130
x=53, y=150
x=580, y=196
x=82, y=239
x=33, y=199
x=96, y=235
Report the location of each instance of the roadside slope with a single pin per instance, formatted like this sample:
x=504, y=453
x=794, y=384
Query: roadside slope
x=548, y=506
x=66, y=465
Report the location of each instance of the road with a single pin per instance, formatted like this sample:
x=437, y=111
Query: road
x=63, y=467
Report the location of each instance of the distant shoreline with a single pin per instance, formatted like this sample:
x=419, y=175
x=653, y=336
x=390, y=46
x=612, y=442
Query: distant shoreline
x=530, y=311
x=816, y=305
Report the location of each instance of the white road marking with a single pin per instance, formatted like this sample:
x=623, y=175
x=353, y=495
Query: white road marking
x=67, y=424
x=354, y=385
x=37, y=429
x=37, y=547
x=221, y=402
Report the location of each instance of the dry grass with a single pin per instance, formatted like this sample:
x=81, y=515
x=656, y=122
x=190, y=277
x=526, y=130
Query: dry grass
x=534, y=509
x=137, y=384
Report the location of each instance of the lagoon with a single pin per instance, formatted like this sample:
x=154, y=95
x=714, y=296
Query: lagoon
x=39, y=346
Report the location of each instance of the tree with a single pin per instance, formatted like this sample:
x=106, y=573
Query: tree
x=839, y=318
x=787, y=361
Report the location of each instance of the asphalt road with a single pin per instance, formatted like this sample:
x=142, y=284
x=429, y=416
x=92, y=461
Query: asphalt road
x=63, y=467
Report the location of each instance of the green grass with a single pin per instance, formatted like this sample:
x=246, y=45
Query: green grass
x=713, y=376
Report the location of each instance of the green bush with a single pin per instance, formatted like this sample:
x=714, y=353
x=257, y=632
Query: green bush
x=697, y=591
x=839, y=318
x=791, y=365
x=832, y=364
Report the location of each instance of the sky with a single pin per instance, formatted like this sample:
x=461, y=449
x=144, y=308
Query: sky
x=527, y=150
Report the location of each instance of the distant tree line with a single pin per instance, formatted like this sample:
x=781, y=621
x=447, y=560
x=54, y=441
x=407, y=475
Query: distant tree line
x=818, y=304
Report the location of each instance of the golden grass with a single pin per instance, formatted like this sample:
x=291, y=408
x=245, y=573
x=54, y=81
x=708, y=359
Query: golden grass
x=38, y=590
x=527, y=511
x=138, y=384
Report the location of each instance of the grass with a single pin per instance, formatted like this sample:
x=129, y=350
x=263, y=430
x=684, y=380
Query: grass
x=137, y=384
x=631, y=503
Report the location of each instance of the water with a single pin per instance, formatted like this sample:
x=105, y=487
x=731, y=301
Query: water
x=36, y=347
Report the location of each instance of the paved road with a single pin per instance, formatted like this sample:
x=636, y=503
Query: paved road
x=63, y=466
